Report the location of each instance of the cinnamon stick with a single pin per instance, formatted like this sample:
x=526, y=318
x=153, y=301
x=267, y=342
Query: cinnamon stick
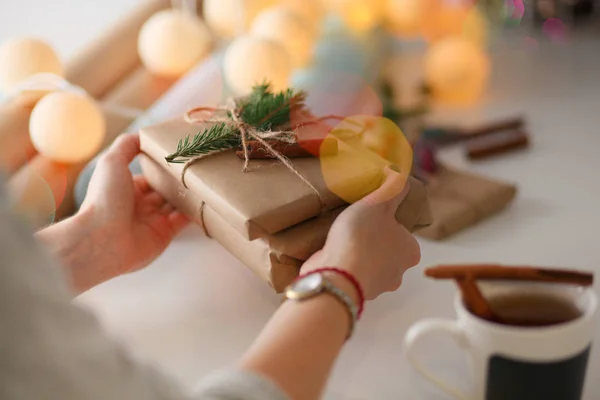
x=516, y=273
x=443, y=136
x=496, y=143
x=304, y=148
x=496, y=126
x=474, y=300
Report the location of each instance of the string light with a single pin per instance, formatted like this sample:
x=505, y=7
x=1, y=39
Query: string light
x=23, y=57
x=173, y=41
x=292, y=32
x=251, y=60
x=456, y=71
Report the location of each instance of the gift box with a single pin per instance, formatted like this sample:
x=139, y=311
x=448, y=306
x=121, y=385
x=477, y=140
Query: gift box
x=459, y=200
x=274, y=258
x=269, y=198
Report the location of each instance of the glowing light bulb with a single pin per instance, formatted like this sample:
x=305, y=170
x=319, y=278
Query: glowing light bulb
x=251, y=60
x=312, y=11
x=405, y=17
x=453, y=18
x=67, y=127
x=172, y=41
x=359, y=15
x=230, y=18
x=23, y=57
x=456, y=70
x=291, y=31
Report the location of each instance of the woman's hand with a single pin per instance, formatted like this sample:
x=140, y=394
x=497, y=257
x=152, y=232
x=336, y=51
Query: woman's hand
x=298, y=347
x=122, y=225
x=367, y=241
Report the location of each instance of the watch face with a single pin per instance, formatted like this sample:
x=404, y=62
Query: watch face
x=308, y=284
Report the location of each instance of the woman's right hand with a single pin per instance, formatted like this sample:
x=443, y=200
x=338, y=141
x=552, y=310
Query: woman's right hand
x=367, y=241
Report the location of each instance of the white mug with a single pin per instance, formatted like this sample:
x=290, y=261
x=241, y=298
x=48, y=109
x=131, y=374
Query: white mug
x=516, y=362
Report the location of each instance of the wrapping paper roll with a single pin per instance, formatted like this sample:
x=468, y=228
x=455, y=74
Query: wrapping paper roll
x=97, y=69
x=138, y=91
x=15, y=145
x=112, y=56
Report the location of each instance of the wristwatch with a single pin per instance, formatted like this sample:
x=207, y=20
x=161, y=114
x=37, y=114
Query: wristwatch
x=315, y=284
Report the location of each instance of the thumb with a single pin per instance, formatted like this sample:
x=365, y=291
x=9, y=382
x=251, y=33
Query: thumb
x=393, y=189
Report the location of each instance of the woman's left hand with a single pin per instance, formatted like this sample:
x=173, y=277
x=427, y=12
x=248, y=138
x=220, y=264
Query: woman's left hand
x=122, y=225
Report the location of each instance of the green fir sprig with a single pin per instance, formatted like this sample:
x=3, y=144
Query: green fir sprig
x=262, y=109
x=216, y=138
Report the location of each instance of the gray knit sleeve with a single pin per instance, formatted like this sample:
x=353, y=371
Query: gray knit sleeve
x=238, y=385
x=52, y=349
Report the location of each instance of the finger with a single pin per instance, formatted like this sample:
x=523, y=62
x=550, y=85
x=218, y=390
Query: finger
x=124, y=148
x=141, y=184
x=153, y=199
x=178, y=221
x=394, y=188
x=395, y=284
x=166, y=209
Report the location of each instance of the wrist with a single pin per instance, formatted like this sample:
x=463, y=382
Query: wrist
x=343, y=280
x=73, y=243
x=344, y=284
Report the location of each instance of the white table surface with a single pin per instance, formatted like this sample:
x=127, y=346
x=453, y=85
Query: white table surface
x=197, y=308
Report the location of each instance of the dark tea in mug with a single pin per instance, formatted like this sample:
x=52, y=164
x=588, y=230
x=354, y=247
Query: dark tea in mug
x=539, y=350
x=534, y=310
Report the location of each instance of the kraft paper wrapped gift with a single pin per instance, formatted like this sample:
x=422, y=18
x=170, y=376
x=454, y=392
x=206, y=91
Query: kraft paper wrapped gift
x=269, y=198
x=459, y=200
x=276, y=258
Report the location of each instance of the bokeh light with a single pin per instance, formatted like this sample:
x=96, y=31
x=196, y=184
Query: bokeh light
x=312, y=11
x=475, y=27
x=404, y=18
x=229, y=18
x=338, y=93
x=367, y=144
x=514, y=11
x=55, y=175
x=555, y=29
x=32, y=198
x=341, y=51
x=546, y=8
x=456, y=71
x=359, y=15
x=444, y=19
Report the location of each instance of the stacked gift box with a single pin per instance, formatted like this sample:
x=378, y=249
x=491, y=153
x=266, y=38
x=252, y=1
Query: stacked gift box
x=267, y=216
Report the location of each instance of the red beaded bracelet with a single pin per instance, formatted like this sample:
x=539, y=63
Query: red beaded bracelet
x=347, y=275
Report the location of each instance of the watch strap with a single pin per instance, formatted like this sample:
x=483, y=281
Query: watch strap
x=346, y=300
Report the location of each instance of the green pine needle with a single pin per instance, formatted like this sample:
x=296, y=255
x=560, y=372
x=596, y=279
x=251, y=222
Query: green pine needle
x=218, y=137
x=265, y=110
x=261, y=109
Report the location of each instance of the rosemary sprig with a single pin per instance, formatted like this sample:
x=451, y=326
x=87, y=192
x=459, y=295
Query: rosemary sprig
x=218, y=137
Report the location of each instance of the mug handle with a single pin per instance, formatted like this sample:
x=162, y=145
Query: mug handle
x=421, y=329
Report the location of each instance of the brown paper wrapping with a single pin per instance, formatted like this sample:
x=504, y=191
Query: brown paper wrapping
x=274, y=258
x=97, y=69
x=459, y=200
x=138, y=91
x=270, y=197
